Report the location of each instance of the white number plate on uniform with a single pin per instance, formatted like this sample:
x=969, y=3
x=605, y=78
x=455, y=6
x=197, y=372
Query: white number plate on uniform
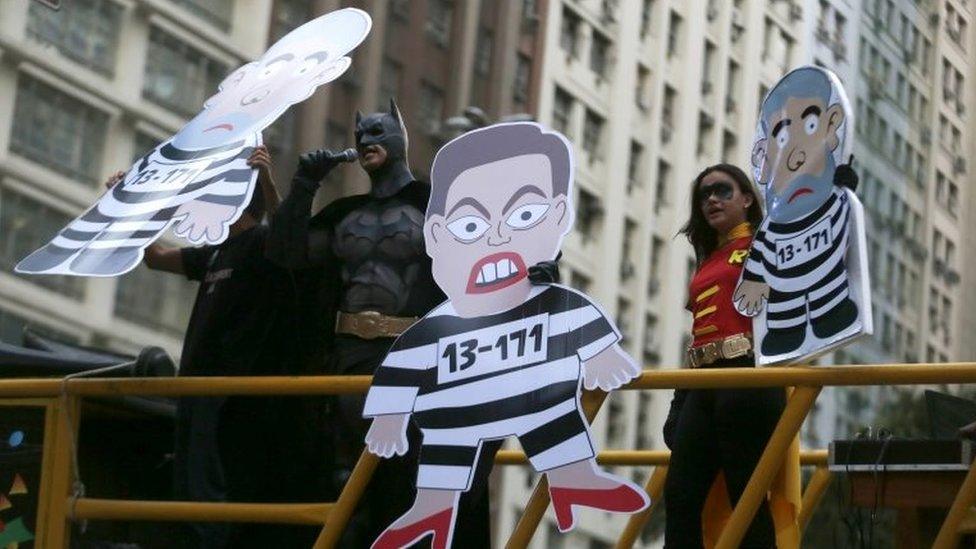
x=493, y=349
x=805, y=246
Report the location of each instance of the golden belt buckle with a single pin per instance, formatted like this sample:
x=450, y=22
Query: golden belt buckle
x=735, y=346
x=710, y=352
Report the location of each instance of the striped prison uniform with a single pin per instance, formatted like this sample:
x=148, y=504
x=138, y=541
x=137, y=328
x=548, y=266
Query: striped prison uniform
x=803, y=262
x=109, y=237
x=515, y=373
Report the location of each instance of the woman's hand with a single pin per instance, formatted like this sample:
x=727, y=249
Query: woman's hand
x=609, y=370
x=388, y=435
x=749, y=297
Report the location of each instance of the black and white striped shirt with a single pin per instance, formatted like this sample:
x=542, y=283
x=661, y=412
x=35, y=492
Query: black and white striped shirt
x=109, y=237
x=452, y=372
x=803, y=261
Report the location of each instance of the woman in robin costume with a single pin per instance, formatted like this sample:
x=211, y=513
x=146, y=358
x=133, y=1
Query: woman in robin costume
x=712, y=431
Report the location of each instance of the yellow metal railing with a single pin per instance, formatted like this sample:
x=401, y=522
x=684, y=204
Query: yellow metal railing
x=62, y=399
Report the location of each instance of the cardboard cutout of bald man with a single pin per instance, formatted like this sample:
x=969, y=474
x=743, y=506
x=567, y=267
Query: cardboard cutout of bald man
x=806, y=280
x=199, y=179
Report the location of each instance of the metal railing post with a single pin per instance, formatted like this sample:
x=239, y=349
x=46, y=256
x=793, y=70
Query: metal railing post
x=948, y=536
x=57, y=531
x=637, y=521
x=815, y=489
x=769, y=464
x=539, y=500
x=337, y=518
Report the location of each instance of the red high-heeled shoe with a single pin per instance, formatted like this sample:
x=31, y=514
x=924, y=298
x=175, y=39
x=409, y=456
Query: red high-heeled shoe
x=439, y=524
x=622, y=499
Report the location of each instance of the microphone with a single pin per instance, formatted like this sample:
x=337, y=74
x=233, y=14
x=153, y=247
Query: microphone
x=348, y=155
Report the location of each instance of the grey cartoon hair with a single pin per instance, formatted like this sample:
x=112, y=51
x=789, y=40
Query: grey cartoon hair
x=803, y=82
x=494, y=143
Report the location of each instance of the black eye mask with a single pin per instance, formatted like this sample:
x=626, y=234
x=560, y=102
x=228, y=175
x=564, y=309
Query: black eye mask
x=722, y=191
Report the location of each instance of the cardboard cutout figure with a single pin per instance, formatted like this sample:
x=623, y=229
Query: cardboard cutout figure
x=806, y=279
x=199, y=178
x=500, y=357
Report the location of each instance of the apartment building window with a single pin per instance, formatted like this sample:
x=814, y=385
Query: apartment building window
x=57, y=130
x=706, y=123
x=593, y=134
x=562, y=108
x=569, y=33
x=623, y=320
x=154, y=300
x=647, y=13
x=634, y=167
x=431, y=106
x=627, y=267
x=399, y=9
x=523, y=72
x=589, y=214
x=579, y=281
x=143, y=145
x=26, y=225
x=599, y=54
x=482, y=58
x=217, y=12
x=178, y=76
x=85, y=31
x=287, y=16
x=390, y=78
x=729, y=144
x=674, y=33
x=439, y=15
x=708, y=66
x=667, y=113
x=644, y=437
x=654, y=269
x=642, y=90
x=661, y=192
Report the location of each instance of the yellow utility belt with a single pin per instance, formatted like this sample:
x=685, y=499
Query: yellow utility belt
x=733, y=346
x=371, y=324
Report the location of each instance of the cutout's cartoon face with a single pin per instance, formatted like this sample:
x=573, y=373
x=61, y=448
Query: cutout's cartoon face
x=800, y=136
x=256, y=94
x=494, y=219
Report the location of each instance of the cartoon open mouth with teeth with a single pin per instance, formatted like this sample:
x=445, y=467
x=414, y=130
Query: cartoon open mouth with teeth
x=495, y=272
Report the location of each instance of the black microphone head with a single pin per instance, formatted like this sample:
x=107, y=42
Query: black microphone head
x=349, y=155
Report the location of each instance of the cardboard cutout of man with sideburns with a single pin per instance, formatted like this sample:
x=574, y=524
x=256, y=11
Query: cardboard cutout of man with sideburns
x=501, y=357
x=199, y=181
x=806, y=277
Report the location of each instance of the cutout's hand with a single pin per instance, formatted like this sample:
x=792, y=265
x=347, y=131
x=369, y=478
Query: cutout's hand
x=845, y=176
x=203, y=221
x=749, y=297
x=609, y=370
x=544, y=272
x=388, y=435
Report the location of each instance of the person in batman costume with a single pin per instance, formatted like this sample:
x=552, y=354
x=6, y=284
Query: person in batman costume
x=374, y=281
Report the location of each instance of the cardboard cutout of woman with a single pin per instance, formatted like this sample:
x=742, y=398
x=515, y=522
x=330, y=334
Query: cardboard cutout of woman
x=501, y=357
x=806, y=279
x=199, y=179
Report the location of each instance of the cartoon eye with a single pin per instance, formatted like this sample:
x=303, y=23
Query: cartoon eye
x=310, y=64
x=527, y=216
x=468, y=228
x=271, y=69
x=783, y=138
x=811, y=123
x=255, y=97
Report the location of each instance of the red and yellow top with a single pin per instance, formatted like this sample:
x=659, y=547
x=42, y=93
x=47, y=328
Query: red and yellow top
x=710, y=293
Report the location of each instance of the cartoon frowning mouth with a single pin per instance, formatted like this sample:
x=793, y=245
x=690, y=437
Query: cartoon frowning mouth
x=225, y=126
x=798, y=193
x=495, y=272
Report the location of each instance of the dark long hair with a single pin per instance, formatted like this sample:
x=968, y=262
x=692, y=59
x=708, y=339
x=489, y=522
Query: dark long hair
x=703, y=238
